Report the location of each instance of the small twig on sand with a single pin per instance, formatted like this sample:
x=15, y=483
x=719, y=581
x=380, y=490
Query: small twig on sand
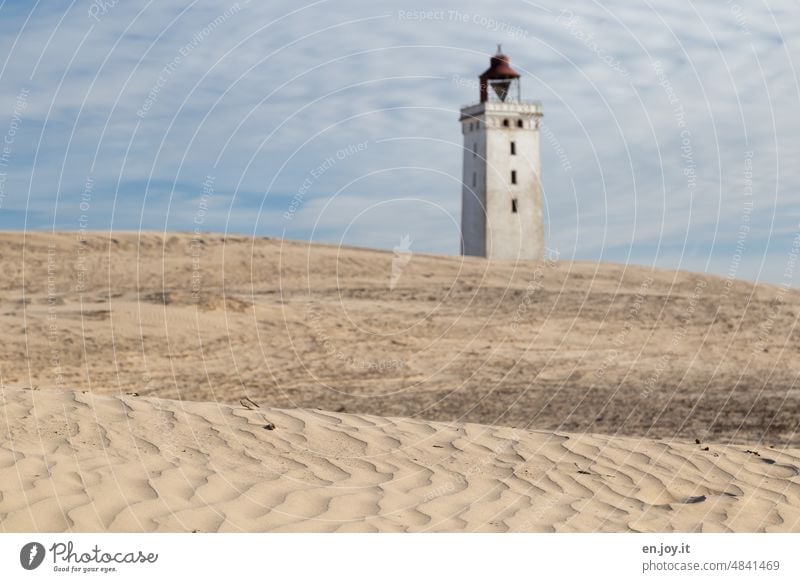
x=248, y=404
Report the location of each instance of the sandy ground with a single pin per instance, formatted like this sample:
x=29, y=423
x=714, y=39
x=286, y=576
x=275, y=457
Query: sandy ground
x=580, y=347
x=131, y=363
x=81, y=462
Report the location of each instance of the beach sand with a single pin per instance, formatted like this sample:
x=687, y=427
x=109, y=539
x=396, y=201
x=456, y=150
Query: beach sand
x=72, y=461
x=409, y=392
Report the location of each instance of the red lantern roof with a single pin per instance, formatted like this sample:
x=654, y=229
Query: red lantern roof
x=499, y=75
x=500, y=68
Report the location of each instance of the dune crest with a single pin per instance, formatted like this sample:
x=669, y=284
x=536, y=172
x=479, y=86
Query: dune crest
x=562, y=346
x=73, y=461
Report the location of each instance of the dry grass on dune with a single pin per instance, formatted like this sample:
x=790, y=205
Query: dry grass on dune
x=575, y=347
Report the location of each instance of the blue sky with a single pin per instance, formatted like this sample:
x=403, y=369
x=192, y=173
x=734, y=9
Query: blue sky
x=672, y=130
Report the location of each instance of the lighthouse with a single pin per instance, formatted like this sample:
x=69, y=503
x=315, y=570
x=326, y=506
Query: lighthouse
x=501, y=199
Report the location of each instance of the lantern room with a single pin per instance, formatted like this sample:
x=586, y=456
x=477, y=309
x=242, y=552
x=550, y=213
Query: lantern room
x=500, y=82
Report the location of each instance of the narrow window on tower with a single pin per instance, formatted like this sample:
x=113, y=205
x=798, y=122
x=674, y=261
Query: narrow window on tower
x=513, y=148
x=474, y=150
x=474, y=179
x=519, y=123
x=505, y=123
x=513, y=176
x=514, y=205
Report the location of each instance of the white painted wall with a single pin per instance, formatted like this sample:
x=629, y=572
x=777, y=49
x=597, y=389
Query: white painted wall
x=473, y=194
x=488, y=225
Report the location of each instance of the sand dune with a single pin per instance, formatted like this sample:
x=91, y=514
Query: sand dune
x=466, y=395
x=72, y=461
x=579, y=347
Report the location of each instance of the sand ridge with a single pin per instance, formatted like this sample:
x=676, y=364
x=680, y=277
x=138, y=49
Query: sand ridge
x=77, y=461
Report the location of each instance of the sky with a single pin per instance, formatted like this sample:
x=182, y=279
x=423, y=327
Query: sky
x=670, y=131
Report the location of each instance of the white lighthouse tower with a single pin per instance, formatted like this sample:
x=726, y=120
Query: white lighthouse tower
x=501, y=208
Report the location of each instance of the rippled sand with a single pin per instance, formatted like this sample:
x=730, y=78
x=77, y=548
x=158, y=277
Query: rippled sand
x=81, y=462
